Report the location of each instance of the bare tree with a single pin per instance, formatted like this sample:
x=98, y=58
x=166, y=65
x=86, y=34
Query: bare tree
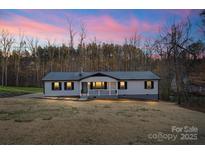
x=132, y=51
x=176, y=41
x=135, y=40
x=148, y=51
x=60, y=58
x=71, y=33
x=202, y=26
x=81, y=47
x=50, y=46
x=82, y=33
x=20, y=46
x=33, y=45
x=6, y=41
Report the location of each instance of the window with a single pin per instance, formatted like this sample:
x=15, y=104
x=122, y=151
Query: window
x=122, y=85
x=56, y=85
x=149, y=84
x=98, y=85
x=68, y=85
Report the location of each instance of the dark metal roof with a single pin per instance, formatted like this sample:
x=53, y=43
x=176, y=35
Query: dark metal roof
x=135, y=75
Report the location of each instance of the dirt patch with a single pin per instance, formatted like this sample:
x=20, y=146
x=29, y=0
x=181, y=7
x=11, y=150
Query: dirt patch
x=50, y=121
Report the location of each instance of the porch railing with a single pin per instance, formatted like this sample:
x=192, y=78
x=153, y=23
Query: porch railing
x=100, y=92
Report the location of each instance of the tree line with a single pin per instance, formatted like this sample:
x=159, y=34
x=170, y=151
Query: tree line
x=173, y=55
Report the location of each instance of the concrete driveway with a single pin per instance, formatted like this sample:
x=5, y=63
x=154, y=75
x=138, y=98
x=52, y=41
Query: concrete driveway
x=26, y=96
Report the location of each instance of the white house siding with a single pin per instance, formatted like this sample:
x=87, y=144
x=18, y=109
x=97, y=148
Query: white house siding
x=137, y=88
x=62, y=92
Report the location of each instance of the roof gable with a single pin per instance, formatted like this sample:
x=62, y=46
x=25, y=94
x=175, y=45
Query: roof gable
x=98, y=74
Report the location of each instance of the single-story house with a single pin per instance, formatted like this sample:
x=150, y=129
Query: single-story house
x=134, y=84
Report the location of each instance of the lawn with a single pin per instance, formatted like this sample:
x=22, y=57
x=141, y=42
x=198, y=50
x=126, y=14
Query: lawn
x=67, y=121
x=13, y=91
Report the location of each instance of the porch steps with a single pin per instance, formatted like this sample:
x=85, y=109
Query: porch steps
x=83, y=98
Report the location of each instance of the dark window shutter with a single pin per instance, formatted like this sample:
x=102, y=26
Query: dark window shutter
x=60, y=86
x=125, y=84
x=65, y=85
x=118, y=85
x=44, y=87
x=105, y=85
x=52, y=85
x=145, y=84
x=91, y=85
x=72, y=83
x=152, y=82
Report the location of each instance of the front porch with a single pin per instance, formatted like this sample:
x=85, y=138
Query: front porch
x=98, y=89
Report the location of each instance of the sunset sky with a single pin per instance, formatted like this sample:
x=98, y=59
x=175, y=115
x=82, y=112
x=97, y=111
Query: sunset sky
x=106, y=25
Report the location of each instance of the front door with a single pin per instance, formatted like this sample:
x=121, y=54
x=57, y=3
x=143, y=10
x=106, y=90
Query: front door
x=84, y=88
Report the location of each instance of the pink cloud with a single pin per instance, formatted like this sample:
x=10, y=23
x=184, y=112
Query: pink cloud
x=143, y=26
x=32, y=28
x=104, y=28
x=104, y=24
x=107, y=28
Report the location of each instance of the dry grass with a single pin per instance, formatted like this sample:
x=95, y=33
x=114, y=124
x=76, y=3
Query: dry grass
x=43, y=121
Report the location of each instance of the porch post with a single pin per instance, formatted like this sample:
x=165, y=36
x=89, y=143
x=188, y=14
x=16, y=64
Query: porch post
x=109, y=88
x=88, y=87
x=80, y=88
x=116, y=87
